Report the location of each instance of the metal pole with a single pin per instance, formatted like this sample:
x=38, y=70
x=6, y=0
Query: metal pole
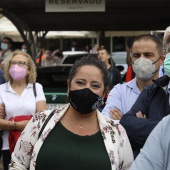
x=111, y=44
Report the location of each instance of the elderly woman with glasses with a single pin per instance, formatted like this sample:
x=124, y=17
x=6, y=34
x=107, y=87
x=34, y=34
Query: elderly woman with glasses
x=20, y=96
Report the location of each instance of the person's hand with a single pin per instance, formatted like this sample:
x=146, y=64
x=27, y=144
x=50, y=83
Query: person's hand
x=21, y=125
x=115, y=114
x=2, y=111
x=140, y=115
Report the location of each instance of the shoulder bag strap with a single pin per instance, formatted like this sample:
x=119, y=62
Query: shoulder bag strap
x=34, y=89
x=49, y=117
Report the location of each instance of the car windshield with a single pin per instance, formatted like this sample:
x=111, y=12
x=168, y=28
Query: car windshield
x=119, y=57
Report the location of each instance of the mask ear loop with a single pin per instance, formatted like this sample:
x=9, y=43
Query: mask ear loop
x=133, y=62
x=156, y=62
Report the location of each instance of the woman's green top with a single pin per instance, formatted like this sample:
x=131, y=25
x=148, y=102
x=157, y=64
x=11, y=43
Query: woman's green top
x=64, y=150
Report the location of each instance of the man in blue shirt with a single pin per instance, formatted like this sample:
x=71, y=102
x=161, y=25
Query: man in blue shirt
x=146, y=52
x=150, y=107
x=155, y=153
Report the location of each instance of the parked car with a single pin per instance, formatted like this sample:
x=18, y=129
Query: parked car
x=120, y=59
x=71, y=56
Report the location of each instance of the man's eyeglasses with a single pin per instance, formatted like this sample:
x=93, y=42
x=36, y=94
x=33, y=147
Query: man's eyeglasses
x=19, y=63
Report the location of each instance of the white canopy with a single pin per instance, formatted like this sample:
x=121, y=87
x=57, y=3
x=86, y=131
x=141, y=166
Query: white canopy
x=7, y=28
x=70, y=34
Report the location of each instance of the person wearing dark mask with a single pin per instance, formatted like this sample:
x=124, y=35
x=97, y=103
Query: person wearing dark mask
x=75, y=136
x=6, y=50
x=18, y=98
x=151, y=105
x=146, y=60
x=48, y=60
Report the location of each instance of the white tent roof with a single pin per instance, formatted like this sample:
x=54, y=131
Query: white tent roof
x=70, y=34
x=7, y=28
x=6, y=25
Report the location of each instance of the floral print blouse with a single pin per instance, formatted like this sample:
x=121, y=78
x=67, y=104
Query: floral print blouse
x=28, y=145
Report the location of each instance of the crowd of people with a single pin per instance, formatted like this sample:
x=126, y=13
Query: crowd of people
x=107, y=124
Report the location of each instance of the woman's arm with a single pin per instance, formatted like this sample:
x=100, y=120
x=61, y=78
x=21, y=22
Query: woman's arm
x=41, y=105
x=22, y=155
x=40, y=98
x=20, y=158
x=11, y=125
x=2, y=111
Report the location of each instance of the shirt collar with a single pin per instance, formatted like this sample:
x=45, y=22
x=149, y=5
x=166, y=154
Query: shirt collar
x=9, y=88
x=133, y=85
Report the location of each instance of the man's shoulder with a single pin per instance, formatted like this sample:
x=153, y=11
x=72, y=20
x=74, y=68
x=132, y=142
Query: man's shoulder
x=121, y=89
x=153, y=89
x=166, y=121
x=162, y=81
x=158, y=83
x=114, y=69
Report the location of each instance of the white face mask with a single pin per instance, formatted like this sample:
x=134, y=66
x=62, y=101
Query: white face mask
x=4, y=46
x=144, y=68
x=24, y=50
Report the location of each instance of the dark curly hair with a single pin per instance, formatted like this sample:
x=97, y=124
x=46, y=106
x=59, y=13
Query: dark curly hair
x=92, y=61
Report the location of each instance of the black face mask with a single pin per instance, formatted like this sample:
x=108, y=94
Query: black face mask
x=84, y=100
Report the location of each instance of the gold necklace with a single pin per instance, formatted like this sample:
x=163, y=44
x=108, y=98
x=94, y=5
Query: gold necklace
x=80, y=126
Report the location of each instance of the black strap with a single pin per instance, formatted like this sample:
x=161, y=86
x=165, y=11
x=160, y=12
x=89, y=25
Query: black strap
x=49, y=117
x=34, y=89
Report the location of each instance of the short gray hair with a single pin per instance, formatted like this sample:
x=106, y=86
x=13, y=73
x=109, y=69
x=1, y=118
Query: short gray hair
x=166, y=31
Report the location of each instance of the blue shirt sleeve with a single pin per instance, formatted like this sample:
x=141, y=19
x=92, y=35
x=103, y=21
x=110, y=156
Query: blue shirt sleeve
x=113, y=100
x=155, y=152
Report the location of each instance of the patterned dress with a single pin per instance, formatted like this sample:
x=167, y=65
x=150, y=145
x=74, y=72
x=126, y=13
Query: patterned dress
x=28, y=145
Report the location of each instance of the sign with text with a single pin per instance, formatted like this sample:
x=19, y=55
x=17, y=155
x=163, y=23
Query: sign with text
x=75, y=6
